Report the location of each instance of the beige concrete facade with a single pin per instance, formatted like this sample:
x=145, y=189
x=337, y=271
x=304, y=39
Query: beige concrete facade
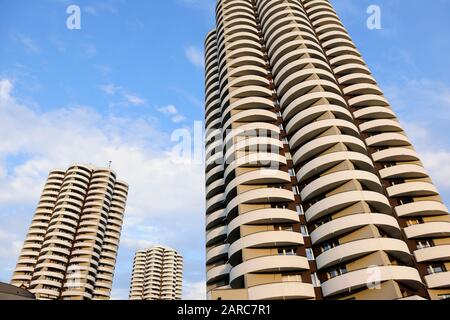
x=313, y=189
x=71, y=247
x=157, y=275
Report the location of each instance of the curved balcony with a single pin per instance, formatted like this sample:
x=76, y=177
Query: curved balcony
x=356, y=78
x=259, y=177
x=293, y=92
x=406, y=171
x=218, y=272
x=307, y=100
x=331, y=181
x=355, y=249
x=438, y=253
x=300, y=76
x=312, y=130
x=256, y=159
x=266, y=239
x=395, y=155
x=264, y=216
x=253, y=115
x=421, y=208
x=215, y=234
x=249, y=129
x=253, y=144
x=309, y=115
x=344, y=225
x=294, y=56
x=282, y=291
x=340, y=201
x=250, y=103
x=215, y=218
x=374, y=113
x=269, y=264
x=262, y=195
x=319, y=145
x=217, y=253
x=388, y=140
x=412, y=189
x=368, y=100
x=362, y=88
x=428, y=230
x=380, y=125
x=438, y=280
x=359, y=279
x=215, y=203
x=349, y=68
x=214, y=188
x=328, y=161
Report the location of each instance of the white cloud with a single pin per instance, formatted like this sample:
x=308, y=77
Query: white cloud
x=9, y=244
x=438, y=163
x=195, y=56
x=134, y=99
x=28, y=43
x=172, y=111
x=126, y=98
x=110, y=89
x=90, y=10
x=5, y=89
x=194, y=290
x=90, y=50
x=166, y=199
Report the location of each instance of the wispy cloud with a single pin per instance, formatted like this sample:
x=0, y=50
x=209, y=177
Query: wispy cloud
x=90, y=10
x=134, y=99
x=90, y=50
x=28, y=43
x=206, y=7
x=110, y=89
x=125, y=96
x=172, y=111
x=195, y=56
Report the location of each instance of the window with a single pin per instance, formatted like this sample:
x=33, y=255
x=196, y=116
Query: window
x=286, y=252
x=435, y=268
x=299, y=209
x=291, y=172
x=304, y=231
x=292, y=278
x=413, y=222
x=336, y=272
x=315, y=280
x=295, y=190
x=329, y=245
x=421, y=244
x=285, y=141
x=309, y=254
x=284, y=228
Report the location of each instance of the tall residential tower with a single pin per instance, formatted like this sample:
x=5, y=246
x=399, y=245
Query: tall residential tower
x=71, y=247
x=157, y=275
x=313, y=189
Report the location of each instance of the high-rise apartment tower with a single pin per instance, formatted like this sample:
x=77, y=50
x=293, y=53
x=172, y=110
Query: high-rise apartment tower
x=157, y=275
x=313, y=189
x=71, y=247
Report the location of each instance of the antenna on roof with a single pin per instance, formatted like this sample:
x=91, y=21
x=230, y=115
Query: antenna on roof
x=109, y=164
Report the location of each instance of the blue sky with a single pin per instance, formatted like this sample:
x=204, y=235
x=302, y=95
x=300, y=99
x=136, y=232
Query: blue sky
x=119, y=87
